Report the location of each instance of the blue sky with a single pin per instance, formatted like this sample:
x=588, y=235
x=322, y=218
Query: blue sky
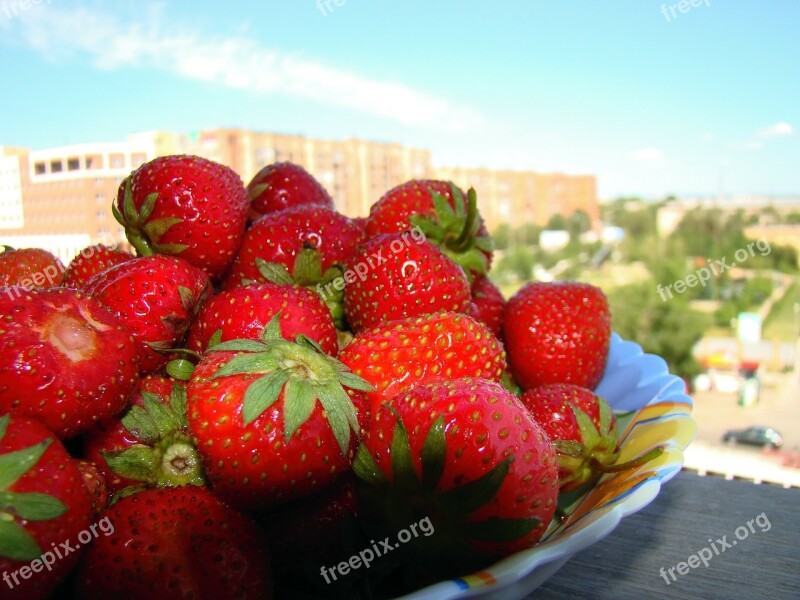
x=651, y=104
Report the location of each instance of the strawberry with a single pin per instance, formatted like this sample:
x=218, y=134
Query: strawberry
x=467, y=455
x=64, y=359
x=487, y=305
x=557, y=333
x=30, y=268
x=311, y=531
x=401, y=275
x=398, y=355
x=304, y=245
x=272, y=419
x=186, y=206
x=157, y=297
x=244, y=312
x=95, y=484
x=449, y=218
x=91, y=261
x=583, y=430
x=176, y=543
x=43, y=510
x=280, y=236
x=150, y=444
x=282, y=185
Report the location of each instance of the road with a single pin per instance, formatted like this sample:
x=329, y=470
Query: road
x=716, y=413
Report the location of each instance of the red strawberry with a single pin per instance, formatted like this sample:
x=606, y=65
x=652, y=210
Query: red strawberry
x=95, y=484
x=157, y=297
x=91, y=261
x=583, y=430
x=244, y=312
x=310, y=532
x=487, y=305
x=30, y=268
x=401, y=275
x=43, y=510
x=557, y=333
x=274, y=421
x=187, y=206
x=176, y=543
x=467, y=455
x=399, y=355
x=64, y=359
x=150, y=444
x=447, y=216
x=280, y=236
x=283, y=185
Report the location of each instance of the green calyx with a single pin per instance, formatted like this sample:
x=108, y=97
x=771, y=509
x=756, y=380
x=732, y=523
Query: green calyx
x=15, y=541
x=307, y=271
x=143, y=232
x=303, y=373
x=410, y=495
x=584, y=462
x=455, y=230
x=165, y=455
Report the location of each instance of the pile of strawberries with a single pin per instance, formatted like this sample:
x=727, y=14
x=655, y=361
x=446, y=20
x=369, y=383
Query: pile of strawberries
x=269, y=386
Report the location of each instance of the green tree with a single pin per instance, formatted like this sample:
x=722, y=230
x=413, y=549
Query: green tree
x=502, y=236
x=668, y=328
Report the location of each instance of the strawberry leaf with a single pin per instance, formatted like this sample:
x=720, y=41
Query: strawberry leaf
x=272, y=331
x=366, y=469
x=274, y=272
x=117, y=215
x=262, y=394
x=138, y=462
x=498, y=530
x=158, y=227
x=340, y=412
x=299, y=400
x=240, y=346
x=259, y=362
x=15, y=464
x=403, y=471
x=32, y=506
x=433, y=454
x=307, y=268
x=16, y=543
x=257, y=190
x=147, y=209
x=169, y=248
x=470, y=496
x=4, y=420
x=214, y=340
x=353, y=381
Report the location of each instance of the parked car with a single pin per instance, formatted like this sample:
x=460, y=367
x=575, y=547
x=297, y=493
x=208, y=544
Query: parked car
x=755, y=436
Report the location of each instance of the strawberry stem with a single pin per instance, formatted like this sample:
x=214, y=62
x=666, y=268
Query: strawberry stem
x=631, y=464
x=463, y=241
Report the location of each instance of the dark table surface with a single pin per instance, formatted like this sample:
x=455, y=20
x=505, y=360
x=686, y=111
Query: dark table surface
x=764, y=563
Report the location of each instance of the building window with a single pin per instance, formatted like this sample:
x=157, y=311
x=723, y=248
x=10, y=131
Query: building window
x=56, y=166
x=138, y=159
x=73, y=164
x=117, y=160
x=39, y=168
x=94, y=161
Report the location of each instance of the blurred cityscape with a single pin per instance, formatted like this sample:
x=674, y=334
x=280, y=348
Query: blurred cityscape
x=707, y=282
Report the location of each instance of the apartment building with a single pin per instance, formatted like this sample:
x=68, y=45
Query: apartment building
x=526, y=196
x=60, y=198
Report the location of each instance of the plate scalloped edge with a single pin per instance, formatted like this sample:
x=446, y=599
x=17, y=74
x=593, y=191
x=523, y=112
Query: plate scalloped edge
x=633, y=381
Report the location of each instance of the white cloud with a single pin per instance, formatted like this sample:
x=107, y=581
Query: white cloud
x=777, y=130
x=650, y=156
x=238, y=63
